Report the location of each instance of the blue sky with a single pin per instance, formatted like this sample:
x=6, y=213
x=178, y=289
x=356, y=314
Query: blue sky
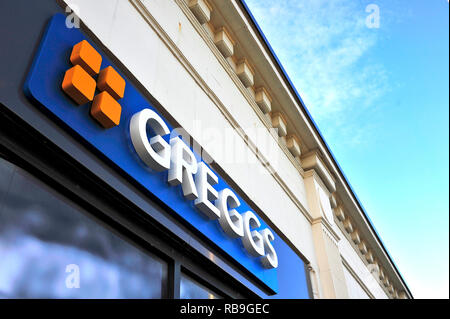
x=380, y=98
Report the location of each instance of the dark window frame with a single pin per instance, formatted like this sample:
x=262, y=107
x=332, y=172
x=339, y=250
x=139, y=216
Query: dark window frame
x=202, y=281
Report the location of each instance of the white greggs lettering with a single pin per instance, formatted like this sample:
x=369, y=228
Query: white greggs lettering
x=197, y=182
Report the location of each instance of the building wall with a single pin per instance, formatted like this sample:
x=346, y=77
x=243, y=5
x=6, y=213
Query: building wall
x=153, y=63
x=355, y=265
x=159, y=45
x=355, y=291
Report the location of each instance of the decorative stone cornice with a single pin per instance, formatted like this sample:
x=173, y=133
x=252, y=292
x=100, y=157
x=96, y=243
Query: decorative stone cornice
x=369, y=256
x=339, y=213
x=263, y=99
x=333, y=200
x=312, y=160
x=279, y=123
x=402, y=295
x=355, y=237
x=224, y=42
x=362, y=247
x=293, y=145
x=245, y=72
x=201, y=9
x=348, y=226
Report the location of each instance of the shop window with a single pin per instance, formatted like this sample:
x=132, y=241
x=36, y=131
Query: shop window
x=50, y=248
x=192, y=289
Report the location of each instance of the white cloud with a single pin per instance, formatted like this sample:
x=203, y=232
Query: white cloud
x=323, y=45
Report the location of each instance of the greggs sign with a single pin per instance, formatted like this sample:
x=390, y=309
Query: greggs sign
x=75, y=81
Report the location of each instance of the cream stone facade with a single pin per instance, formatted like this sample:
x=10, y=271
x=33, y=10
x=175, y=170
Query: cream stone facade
x=209, y=68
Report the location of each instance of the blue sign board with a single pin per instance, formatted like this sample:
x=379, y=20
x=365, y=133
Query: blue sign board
x=43, y=86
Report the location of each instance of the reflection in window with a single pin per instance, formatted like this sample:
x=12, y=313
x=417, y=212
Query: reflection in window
x=48, y=248
x=191, y=289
